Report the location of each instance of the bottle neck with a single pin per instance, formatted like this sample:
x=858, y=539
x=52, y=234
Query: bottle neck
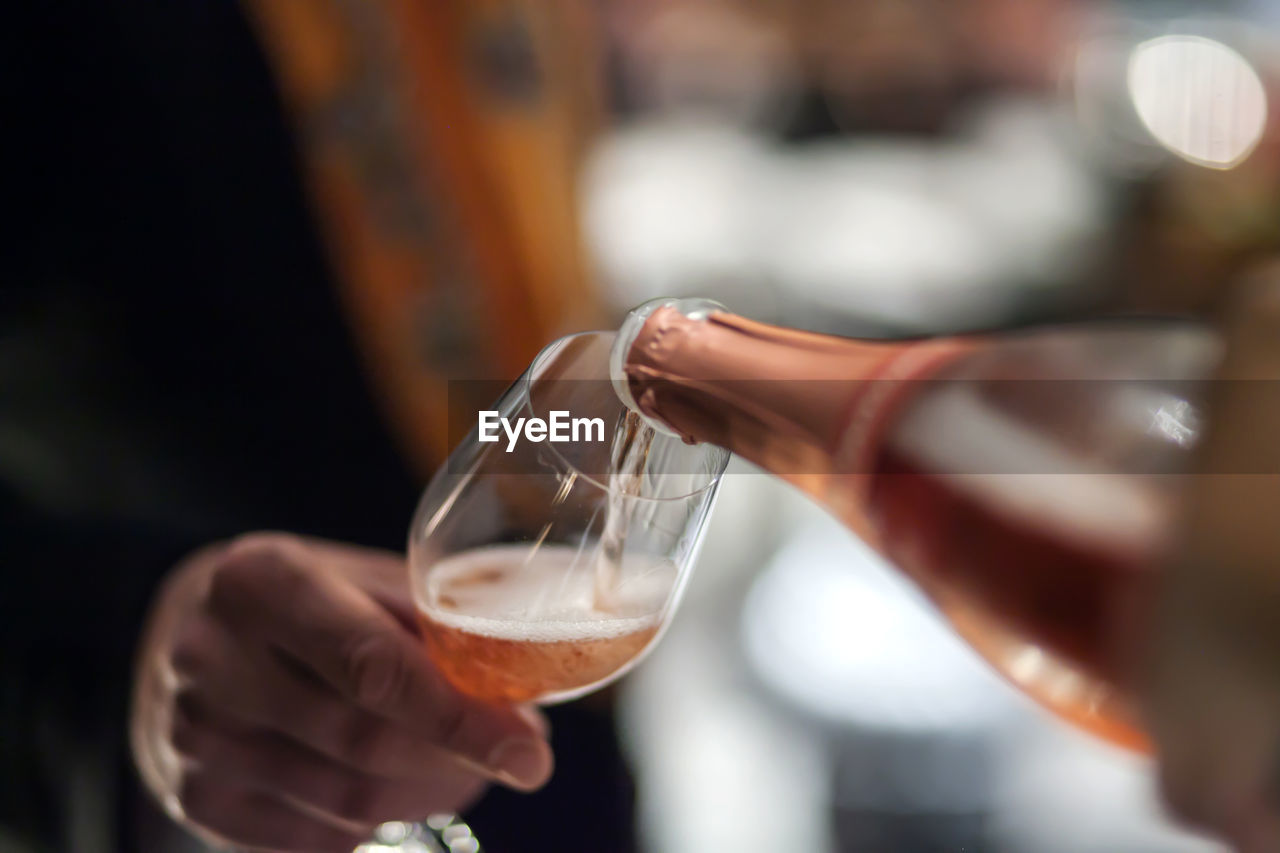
x=799, y=404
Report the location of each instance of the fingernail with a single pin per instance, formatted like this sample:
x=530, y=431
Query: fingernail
x=522, y=763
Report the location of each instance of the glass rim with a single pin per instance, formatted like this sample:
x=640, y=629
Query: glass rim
x=525, y=384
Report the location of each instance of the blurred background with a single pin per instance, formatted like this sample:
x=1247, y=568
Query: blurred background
x=884, y=169
x=481, y=177
x=880, y=169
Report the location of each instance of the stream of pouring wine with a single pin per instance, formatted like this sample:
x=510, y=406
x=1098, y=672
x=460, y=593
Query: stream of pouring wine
x=632, y=441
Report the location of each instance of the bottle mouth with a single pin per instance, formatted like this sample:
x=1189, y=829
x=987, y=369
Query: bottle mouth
x=695, y=308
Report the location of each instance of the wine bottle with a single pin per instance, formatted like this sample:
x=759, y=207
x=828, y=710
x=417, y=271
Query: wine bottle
x=1026, y=481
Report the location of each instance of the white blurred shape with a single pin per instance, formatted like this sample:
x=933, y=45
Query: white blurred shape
x=667, y=207
x=829, y=628
x=909, y=233
x=863, y=227
x=1060, y=791
x=1199, y=99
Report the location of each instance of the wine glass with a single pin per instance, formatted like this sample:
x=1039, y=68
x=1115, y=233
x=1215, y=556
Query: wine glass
x=542, y=570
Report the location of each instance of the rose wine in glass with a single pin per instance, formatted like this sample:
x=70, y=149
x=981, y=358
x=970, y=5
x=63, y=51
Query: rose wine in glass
x=1026, y=482
x=544, y=569
x=484, y=649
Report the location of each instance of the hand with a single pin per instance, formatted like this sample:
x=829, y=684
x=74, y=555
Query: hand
x=283, y=701
x=1212, y=703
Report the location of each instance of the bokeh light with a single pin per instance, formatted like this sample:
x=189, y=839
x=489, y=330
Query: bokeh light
x=1199, y=98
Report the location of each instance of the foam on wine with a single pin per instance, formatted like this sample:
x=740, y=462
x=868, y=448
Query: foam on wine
x=518, y=623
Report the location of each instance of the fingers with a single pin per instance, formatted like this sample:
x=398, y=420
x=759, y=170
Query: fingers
x=269, y=762
x=365, y=655
x=219, y=676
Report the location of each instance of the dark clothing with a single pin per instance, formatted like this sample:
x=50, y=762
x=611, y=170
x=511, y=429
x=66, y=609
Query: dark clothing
x=174, y=369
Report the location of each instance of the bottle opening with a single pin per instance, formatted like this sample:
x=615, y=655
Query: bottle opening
x=694, y=308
